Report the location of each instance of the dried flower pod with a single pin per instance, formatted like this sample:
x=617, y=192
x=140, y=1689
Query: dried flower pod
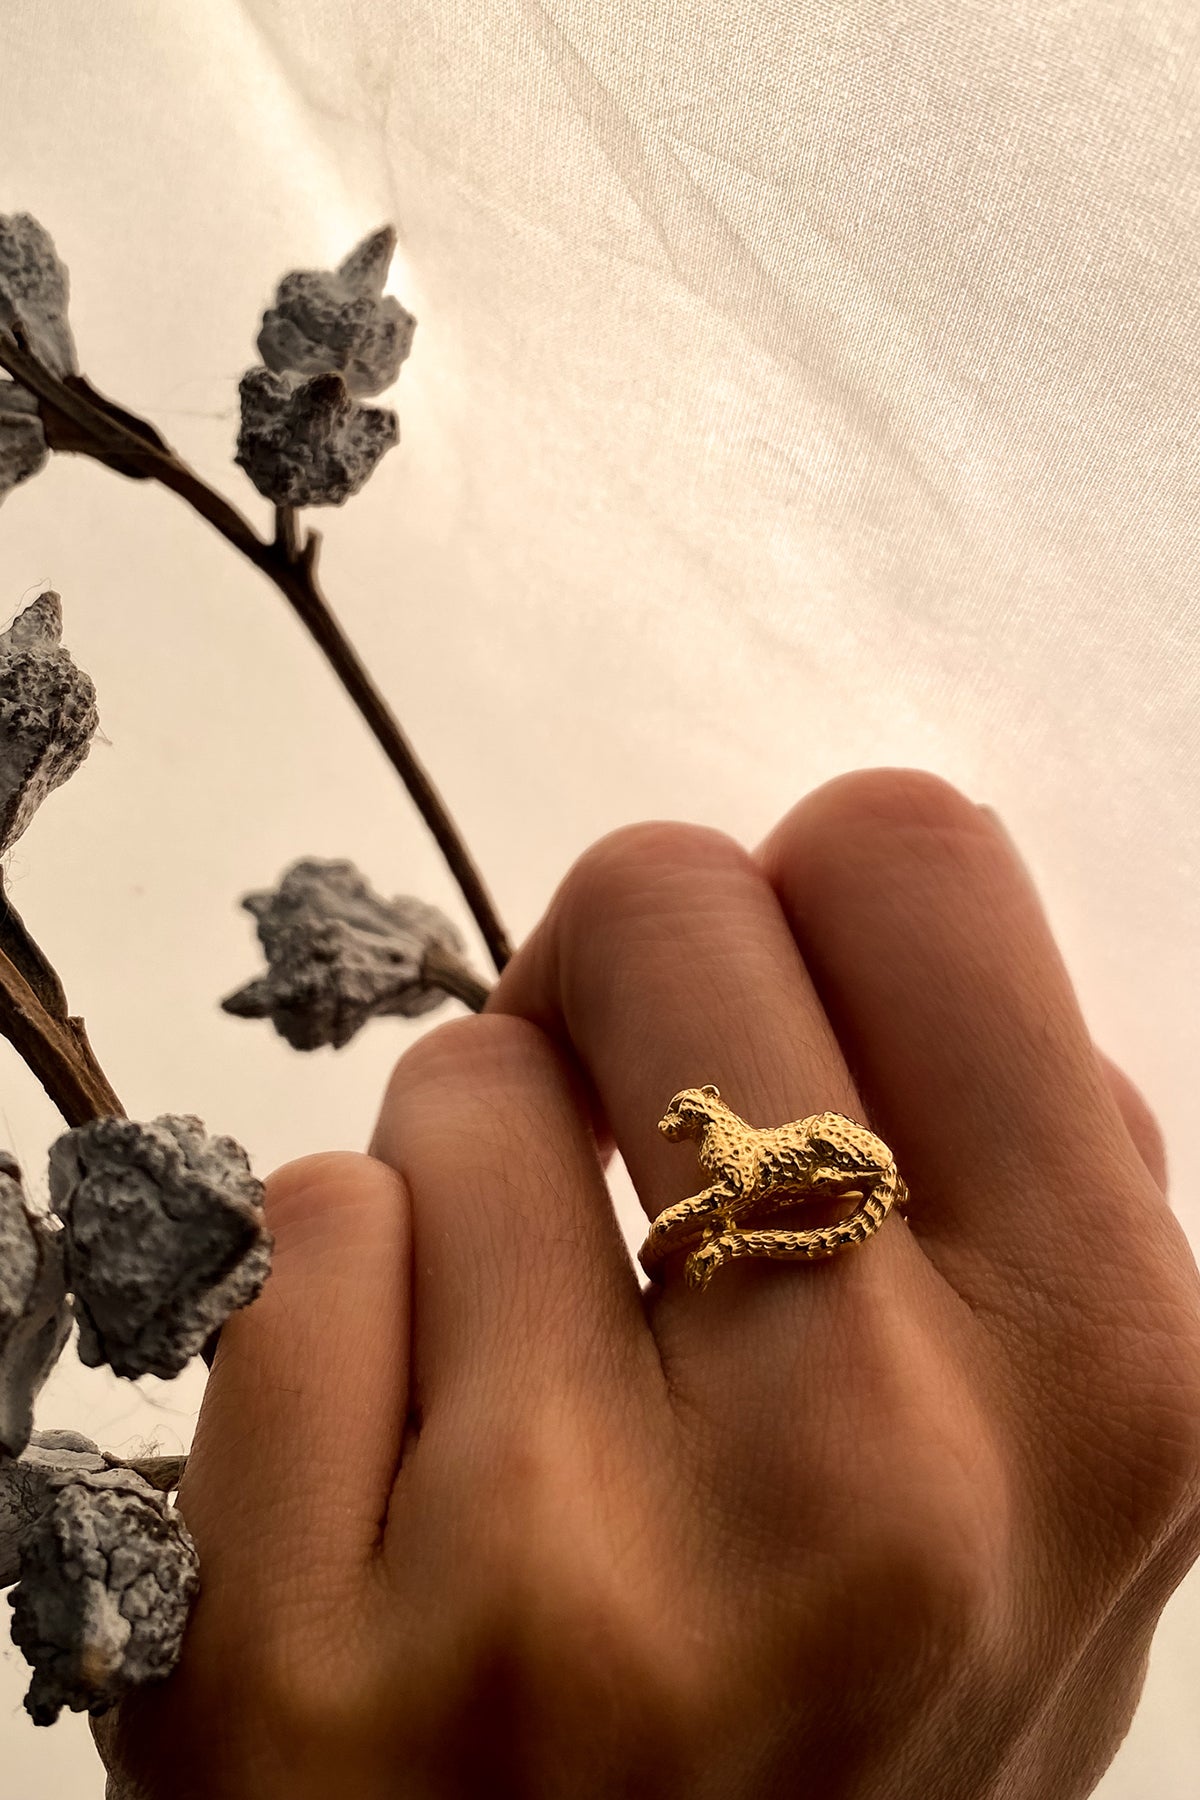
x=108, y=1576
x=28, y=1484
x=35, y=1320
x=34, y=292
x=164, y=1238
x=339, y=955
x=340, y=321
x=48, y=714
x=23, y=447
x=304, y=441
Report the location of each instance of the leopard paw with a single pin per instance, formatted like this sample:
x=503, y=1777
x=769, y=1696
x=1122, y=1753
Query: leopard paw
x=702, y=1265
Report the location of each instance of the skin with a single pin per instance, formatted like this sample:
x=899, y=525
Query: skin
x=478, y=1516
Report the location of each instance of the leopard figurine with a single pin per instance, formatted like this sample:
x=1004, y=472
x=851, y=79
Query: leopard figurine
x=822, y=1157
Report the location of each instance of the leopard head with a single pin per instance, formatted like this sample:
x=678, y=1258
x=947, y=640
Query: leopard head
x=691, y=1112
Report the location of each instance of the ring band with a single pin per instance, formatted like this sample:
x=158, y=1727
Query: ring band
x=827, y=1156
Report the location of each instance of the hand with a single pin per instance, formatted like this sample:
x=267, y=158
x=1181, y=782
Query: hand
x=477, y=1517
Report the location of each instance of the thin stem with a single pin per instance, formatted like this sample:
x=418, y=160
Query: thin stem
x=76, y=418
x=287, y=534
x=21, y=950
x=162, y=1472
x=441, y=968
x=57, y=1050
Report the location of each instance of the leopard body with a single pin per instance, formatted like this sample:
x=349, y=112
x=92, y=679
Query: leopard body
x=763, y=1169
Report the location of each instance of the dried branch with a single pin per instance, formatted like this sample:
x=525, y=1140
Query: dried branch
x=24, y=954
x=78, y=419
x=442, y=968
x=56, y=1049
x=48, y=719
x=162, y=1473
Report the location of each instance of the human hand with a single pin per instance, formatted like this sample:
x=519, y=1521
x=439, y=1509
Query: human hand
x=899, y=1523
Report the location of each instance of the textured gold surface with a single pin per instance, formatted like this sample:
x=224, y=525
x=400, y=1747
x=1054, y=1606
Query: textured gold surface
x=823, y=1157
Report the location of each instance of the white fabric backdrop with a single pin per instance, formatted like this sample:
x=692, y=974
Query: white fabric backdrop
x=797, y=387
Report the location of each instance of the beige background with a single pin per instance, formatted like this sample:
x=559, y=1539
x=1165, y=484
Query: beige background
x=799, y=385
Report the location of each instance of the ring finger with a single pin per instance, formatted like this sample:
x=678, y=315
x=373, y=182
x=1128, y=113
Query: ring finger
x=666, y=961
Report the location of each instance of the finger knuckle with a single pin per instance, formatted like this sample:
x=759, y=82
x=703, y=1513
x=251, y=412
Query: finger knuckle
x=935, y=1601
x=483, y=1051
x=615, y=876
x=1130, y=1467
x=534, y=1473
x=307, y=1690
x=848, y=817
x=569, y=1593
x=1140, y=1120
x=556, y=1530
x=478, y=1045
x=318, y=1185
x=897, y=797
x=1168, y=1467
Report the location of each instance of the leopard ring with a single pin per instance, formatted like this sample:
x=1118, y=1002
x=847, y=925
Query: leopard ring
x=827, y=1156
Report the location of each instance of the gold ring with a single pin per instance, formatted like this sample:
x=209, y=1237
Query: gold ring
x=827, y=1156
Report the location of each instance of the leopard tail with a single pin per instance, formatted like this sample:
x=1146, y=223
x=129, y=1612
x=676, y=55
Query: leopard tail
x=827, y=1240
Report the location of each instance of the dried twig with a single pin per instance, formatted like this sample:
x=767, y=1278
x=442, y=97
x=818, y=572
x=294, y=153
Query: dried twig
x=160, y=1232
x=54, y=1045
x=441, y=968
x=76, y=418
x=162, y=1473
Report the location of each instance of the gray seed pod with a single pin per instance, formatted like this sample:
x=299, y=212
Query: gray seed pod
x=304, y=441
x=340, y=321
x=23, y=447
x=48, y=714
x=164, y=1238
x=339, y=955
x=34, y=291
x=28, y=1485
x=108, y=1576
x=35, y=1320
